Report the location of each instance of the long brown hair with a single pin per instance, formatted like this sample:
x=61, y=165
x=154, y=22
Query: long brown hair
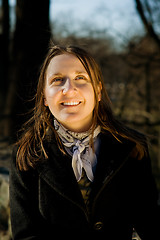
x=31, y=143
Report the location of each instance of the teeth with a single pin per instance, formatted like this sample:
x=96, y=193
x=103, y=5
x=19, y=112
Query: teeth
x=70, y=103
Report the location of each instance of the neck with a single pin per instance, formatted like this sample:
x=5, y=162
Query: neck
x=77, y=129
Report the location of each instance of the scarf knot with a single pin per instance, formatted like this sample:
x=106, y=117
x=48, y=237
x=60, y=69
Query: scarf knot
x=78, y=147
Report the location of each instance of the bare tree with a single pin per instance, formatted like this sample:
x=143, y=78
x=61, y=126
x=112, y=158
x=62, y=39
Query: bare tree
x=146, y=10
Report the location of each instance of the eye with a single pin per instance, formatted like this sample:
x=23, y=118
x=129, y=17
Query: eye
x=56, y=81
x=80, y=78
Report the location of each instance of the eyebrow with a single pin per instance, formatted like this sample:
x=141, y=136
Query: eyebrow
x=77, y=72
x=56, y=74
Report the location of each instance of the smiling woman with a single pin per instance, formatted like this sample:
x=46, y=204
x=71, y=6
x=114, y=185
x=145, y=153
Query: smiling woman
x=76, y=169
x=69, y=94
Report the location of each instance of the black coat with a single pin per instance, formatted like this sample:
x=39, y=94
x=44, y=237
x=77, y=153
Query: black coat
x=46, y=202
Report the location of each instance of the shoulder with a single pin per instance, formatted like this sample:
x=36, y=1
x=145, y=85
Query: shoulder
x=17, y=175
x=132, y=141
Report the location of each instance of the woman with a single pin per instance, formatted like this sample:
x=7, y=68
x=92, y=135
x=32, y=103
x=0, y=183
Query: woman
x=76, y=170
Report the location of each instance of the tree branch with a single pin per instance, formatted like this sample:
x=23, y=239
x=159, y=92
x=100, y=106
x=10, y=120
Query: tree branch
x=148, y=26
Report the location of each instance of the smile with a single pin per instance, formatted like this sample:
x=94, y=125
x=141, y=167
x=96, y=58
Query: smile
x=71, y=103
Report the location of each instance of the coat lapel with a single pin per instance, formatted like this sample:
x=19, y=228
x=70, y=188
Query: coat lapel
x=112, y=155
x=57, y=172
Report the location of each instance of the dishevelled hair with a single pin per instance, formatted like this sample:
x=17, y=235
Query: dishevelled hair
x=31, y=149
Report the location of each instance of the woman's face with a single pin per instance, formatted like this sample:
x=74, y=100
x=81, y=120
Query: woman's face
x=69, y=93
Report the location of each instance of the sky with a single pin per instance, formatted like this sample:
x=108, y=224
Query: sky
x=118, y=18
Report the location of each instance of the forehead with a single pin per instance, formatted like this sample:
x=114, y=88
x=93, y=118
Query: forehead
x=64, y=63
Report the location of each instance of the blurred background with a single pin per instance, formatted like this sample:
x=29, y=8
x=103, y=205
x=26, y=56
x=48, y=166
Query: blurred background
x=123, y=36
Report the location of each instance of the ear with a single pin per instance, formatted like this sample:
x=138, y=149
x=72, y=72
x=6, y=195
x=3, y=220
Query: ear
x=99, y=91
x=45, y=102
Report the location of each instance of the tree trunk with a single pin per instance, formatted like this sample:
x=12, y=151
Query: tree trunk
x=147, y=89
x=30, y=45
x=4, y=56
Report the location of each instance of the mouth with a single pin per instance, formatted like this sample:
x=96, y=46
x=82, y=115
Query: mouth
x=71, y=104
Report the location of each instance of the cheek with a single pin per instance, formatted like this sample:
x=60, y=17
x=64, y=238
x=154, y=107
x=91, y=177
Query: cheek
x=51, y=98
x=52, y=95
x=90, y=97
x=50, y=92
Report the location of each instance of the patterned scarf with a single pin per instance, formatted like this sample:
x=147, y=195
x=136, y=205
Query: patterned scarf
x=77, y=145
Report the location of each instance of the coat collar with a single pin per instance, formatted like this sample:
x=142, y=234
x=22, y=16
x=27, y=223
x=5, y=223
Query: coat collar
x=57, y=170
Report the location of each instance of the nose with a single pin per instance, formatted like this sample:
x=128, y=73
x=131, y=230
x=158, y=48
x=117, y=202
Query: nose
x=68, y=87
